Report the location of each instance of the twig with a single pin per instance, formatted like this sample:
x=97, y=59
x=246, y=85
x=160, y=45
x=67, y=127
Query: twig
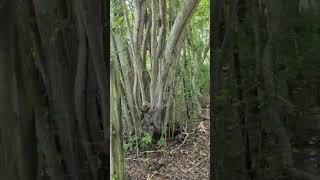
x=195, y=165
x=155, y=151
x=184, y=140
x=149, y=177
x=138, y=159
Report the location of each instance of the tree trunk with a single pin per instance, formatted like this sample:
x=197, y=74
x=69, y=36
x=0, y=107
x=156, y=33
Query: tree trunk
x=50, y=94
x=117, y=139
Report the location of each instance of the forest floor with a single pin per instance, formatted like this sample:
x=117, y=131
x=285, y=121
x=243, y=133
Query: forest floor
x=185, y=159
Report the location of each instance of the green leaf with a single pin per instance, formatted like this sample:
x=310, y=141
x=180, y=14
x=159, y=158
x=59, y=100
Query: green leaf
x=147, y=138
x=127, y=146
x=114, y=177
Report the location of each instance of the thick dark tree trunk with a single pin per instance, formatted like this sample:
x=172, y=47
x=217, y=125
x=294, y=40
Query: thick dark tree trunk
x=8, y=117
x=53, y=91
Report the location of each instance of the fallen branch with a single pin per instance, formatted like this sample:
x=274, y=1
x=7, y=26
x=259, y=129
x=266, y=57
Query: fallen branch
x=137, y=159
x=149, y=177
x=195, y=165
x=184, y=140
x=155, y=151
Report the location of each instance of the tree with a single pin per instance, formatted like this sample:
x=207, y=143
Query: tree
x=160, y=35
x=154, y=48
x=116, y=136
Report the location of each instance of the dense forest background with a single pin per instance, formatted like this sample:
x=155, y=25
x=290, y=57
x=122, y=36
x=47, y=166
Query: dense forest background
x=160, y=78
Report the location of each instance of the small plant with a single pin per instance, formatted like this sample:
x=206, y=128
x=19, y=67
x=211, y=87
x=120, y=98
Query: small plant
x=162, y=143
x=134, y=141
x=146, y=139
x=127, y=146
x=114, y=177
x=130, y=144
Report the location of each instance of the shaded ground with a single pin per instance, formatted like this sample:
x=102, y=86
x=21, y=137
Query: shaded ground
x=185, y=158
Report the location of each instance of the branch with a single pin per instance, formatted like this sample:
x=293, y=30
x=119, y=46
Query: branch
x=146, y=39
x=184, y=141
x=162, y=33
x=126, y=18
x=177, y=32
x=179, y=25
x=195, y=165
x=138, y=33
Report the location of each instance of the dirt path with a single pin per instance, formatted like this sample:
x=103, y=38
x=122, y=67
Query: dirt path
x=186, y=160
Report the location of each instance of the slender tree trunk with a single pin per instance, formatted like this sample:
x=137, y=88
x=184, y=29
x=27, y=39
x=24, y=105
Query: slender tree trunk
x=117, y=139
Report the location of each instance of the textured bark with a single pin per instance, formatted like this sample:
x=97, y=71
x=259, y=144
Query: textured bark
x=122, y=60
x=59, y=75
x=229, y=157
x=27, y=97
x=272, y=117
x=47, y=146
x=51, y=125
x=117, y=139
x=80, y=97
x=19, y=95
x=172, y=49
x=255, y=88
x=8, y=117
x=93, y=22
x=92, y=111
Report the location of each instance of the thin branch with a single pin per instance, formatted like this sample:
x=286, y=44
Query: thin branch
x=184, y=141
x=195, y=165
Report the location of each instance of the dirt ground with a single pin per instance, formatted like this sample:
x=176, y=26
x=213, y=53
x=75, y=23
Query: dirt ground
x=186, y=158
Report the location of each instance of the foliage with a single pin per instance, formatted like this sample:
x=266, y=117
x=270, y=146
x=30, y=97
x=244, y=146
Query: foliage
x=143, y=142
x=146, y=139
x=114, y=177
x=162, y=143
x=130, y=144
x=151, y=78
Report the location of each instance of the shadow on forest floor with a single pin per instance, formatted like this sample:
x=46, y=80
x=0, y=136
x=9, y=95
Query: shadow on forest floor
x=184, y=159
